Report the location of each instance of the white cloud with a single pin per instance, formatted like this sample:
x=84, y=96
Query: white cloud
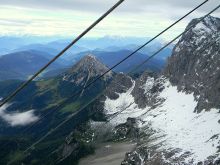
x=101, y=5
x=17, y=118
x=69, y=18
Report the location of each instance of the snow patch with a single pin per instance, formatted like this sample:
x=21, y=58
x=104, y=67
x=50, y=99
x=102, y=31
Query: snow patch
x=174, y=121
x=148, y=85
x=201, y=28
x=177, y=49
x=184, y=129
x=123, y=107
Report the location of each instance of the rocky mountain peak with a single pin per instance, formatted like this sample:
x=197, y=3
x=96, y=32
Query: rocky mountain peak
x=90, y=63
x=209, y=24
x=202, y=32
x=88, y=67
x=89, y=59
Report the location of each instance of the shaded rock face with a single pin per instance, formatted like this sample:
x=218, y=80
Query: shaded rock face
x=195, y=64
x=121, y=83
x=128, y=130
x=78, y=143
x=146, y=89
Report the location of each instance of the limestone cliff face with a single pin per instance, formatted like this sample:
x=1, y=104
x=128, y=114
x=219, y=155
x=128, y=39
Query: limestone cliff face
x=195, y=63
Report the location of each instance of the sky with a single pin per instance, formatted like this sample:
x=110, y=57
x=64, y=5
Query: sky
x=67, y=18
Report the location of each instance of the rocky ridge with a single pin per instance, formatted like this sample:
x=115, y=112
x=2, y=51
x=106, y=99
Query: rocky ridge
x=194, y=64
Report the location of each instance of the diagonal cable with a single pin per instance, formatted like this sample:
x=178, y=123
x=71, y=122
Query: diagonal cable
x=22, y=86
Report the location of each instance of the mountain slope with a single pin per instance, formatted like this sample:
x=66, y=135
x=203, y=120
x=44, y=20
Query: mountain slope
x=43, y=97
x=20, y=65
x=51, y=91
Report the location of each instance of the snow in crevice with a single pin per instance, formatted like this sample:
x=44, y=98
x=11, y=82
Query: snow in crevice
x=174, y=121
x=202, y=28
x=177, y=49
x=124, y=105
x=148, y=85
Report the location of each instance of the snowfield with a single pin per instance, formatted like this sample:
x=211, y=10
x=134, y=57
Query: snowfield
x=197, y=133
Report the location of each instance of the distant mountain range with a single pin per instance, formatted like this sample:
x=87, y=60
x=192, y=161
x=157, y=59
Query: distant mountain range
x=110, y=58
x=26, y=60
x=108, y=43
x=10, y=43
x=109, y=50
x=20, y=65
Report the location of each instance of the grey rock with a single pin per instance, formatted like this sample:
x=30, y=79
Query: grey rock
x=128, y=130
x=146, y=90
x=194, y=64
x=121, y=83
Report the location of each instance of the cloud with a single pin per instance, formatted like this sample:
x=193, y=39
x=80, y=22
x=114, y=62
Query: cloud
x=17, y=118
x=12, y=22
x=69, y=18
x=100, y=5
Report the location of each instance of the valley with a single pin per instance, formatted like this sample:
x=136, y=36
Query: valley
x=108, y=154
